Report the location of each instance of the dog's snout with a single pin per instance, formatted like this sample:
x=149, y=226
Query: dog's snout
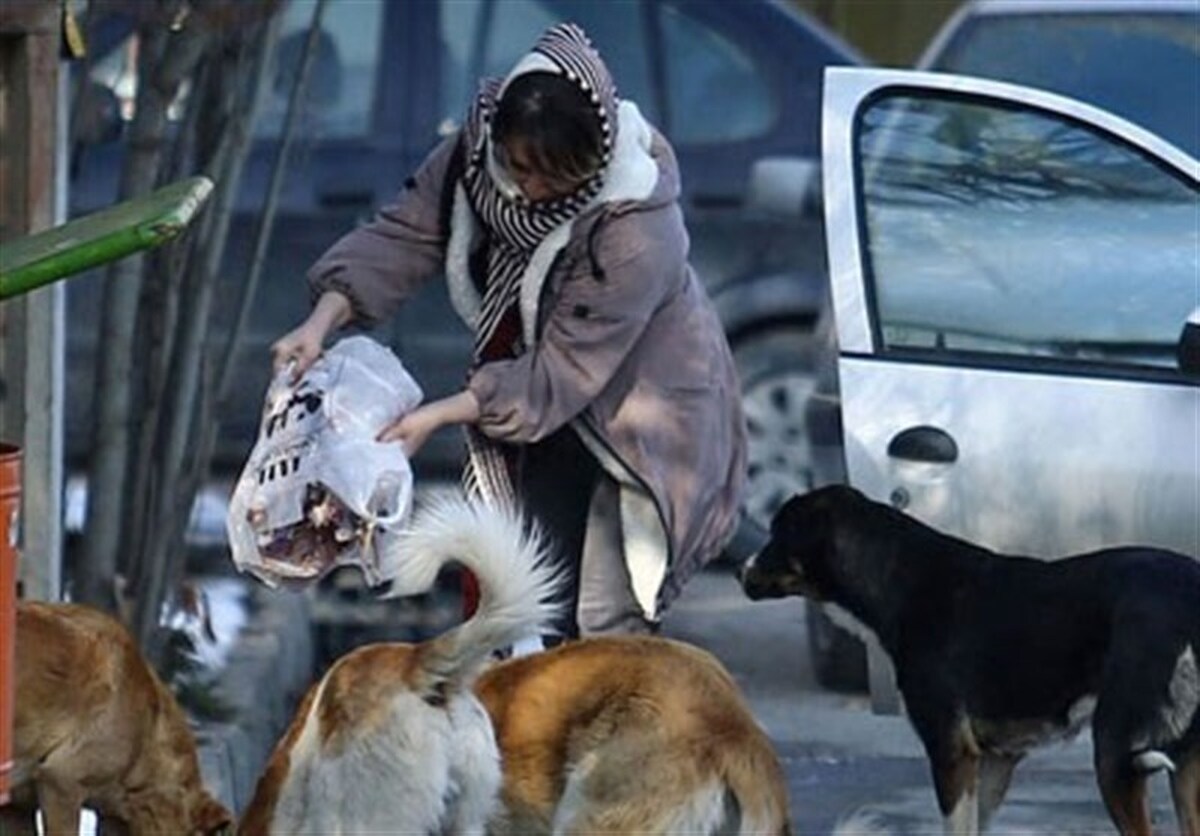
x=744, y=569
x=752, y=580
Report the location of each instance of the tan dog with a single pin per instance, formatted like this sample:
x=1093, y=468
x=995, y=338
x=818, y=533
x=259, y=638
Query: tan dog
x=601, y=736
x=630, y=735
x=95, y=726
x=392, y=739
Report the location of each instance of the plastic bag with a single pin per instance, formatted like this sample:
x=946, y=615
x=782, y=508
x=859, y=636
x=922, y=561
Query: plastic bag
x=318, y=490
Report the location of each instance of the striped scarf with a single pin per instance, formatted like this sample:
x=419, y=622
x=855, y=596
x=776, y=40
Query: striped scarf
x=515, y=227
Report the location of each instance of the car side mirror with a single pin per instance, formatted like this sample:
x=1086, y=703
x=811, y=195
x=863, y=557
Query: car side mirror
x=1187, y=350
x=784, y=186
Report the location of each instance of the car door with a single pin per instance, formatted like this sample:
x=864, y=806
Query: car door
x=1011, y=271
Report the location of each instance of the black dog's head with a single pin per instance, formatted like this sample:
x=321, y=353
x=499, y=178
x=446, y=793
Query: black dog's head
x=798, y=557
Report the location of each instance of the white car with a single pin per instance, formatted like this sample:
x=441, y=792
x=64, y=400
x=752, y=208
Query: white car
x=1011, y=274
x=1019, y=268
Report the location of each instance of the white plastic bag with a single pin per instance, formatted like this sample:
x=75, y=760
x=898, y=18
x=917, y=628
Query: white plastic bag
x=318, y=490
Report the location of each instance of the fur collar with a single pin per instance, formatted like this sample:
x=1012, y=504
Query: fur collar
x=632, y=176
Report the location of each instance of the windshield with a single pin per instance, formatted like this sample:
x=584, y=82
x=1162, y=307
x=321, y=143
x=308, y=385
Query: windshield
x=1143, y=67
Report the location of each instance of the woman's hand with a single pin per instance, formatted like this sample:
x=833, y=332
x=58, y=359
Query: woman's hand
x=414, y=429
x=302, y=345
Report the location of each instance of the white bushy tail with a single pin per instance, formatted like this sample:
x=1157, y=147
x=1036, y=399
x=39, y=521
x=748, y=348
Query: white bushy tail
x=515, y=581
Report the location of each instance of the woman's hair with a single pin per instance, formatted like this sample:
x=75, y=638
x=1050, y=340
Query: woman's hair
x=557, y=122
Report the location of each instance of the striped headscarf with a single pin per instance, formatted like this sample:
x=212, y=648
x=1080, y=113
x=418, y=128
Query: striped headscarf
x=515, y=226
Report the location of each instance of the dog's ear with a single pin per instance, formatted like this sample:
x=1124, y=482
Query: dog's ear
x=804, y=514
x=777, y=568
x=807, y=525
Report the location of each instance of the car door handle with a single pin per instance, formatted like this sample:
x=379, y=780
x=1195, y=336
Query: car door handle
x=924, y=444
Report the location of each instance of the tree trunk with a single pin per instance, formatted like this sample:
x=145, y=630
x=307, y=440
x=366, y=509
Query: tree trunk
x=186, y=412
x=113, y=402
x=155, y=332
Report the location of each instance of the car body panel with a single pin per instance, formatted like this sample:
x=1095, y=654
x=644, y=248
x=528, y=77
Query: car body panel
x=1050, y=448
x=1047, y=464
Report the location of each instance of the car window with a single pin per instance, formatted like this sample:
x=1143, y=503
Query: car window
x=1143, y=67
x=715, y=93
x=1007, y=231
x=341, y=84
x=510, y=27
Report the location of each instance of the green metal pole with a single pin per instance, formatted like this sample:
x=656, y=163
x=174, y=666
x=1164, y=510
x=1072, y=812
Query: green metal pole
x=35, y=260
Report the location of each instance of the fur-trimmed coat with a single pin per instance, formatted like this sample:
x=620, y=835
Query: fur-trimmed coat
x=625, y=346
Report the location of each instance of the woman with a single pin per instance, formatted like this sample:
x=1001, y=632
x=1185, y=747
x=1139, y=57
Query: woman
x=602, y=397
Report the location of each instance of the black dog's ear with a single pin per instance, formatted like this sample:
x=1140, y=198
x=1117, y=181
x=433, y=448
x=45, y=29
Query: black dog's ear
x=814, y=509
x=809, y=522
x=790, y=514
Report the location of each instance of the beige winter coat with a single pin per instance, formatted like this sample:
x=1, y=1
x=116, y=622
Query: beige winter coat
x=625, y=346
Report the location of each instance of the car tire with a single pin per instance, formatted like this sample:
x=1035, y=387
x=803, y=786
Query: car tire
x=776, y=370
x=839, y=659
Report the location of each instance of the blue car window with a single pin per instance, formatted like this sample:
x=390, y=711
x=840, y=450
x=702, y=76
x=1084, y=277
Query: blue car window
x=994, y=230
x=715, y=92
x=511, y=26
x=1145, y=68
x=341, y=86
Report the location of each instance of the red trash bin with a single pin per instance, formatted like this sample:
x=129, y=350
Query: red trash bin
x=10, y=504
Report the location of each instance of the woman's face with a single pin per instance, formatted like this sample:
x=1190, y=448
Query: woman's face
x=535, y=184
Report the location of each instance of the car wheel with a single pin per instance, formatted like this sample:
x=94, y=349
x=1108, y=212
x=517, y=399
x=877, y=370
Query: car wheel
x=839, y=658
x=776, y=370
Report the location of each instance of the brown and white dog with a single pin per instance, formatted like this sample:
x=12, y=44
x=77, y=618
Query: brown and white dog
x=392, y=739
x=616, y=735
x=630, y=735
x=95, y=726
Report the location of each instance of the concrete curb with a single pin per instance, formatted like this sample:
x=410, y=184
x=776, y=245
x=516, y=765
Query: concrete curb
x=267, y=671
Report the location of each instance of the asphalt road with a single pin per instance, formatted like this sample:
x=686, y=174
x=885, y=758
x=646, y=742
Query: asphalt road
x=841, y=758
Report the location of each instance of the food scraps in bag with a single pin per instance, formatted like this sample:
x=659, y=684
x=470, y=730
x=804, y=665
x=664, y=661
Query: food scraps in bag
x=311, y=547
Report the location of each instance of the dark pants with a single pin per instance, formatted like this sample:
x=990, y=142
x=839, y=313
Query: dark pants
x=556, y=479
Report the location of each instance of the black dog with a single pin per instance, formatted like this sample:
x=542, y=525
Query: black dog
x=996, y=654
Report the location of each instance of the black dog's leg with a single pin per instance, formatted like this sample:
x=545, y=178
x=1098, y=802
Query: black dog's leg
x=1123, y=789
x=1122, y=785
x=953, y=757
x=995, y=774
x=1144, y=691
x=1185, y=791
